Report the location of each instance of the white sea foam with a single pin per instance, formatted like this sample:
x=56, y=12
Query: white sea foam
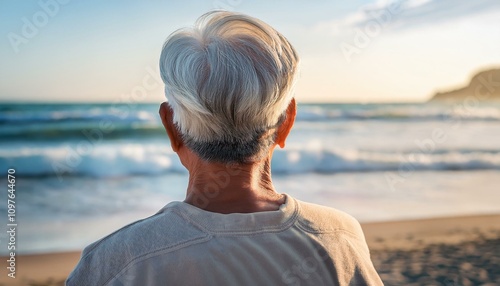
x=107, y=160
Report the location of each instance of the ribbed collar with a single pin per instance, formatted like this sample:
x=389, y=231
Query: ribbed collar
x=268, y=221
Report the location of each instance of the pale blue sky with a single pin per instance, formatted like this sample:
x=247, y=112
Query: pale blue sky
x=351, y=51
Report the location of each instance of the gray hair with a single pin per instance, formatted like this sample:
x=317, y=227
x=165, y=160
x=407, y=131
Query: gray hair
x=228, y=80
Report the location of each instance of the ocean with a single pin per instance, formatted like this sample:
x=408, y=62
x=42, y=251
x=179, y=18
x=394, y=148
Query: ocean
x=84, y=170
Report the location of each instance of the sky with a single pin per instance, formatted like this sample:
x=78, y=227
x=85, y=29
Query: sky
x=351, y=51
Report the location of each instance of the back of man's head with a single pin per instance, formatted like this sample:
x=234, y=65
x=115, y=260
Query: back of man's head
x=228, y=80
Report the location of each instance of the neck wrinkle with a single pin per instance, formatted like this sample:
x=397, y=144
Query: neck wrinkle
x=228, y=188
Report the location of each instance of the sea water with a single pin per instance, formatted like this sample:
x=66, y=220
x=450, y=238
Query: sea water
x=84, y=170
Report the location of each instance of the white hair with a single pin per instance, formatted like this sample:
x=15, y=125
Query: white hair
x=228, y=80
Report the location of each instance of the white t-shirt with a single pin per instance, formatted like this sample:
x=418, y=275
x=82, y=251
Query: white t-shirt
x=299, y=244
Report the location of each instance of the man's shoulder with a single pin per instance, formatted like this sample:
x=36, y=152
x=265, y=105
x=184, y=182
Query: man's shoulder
x=165, y=231
x=161, y=230
x=316, y=218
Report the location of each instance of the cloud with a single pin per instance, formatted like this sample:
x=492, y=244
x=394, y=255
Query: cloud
x=405, y=14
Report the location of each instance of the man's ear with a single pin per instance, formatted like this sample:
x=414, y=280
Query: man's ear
x=286, y=125
x=167, y=118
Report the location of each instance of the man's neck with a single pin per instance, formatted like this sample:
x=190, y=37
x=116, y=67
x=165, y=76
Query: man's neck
x=232, y=188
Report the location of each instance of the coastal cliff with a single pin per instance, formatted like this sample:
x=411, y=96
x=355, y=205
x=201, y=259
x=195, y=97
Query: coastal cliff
x=484, y=85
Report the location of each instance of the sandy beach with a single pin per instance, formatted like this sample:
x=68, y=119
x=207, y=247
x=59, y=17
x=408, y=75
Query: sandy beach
x=442, y=251
x=438, y=251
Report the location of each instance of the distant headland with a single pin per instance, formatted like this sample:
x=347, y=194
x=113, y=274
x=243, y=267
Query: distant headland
x=484, y=85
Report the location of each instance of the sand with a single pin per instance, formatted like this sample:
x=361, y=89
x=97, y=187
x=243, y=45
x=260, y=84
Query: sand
x=443, y=251
x=439, y=251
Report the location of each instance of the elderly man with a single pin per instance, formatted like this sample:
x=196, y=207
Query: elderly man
x=228, y=83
